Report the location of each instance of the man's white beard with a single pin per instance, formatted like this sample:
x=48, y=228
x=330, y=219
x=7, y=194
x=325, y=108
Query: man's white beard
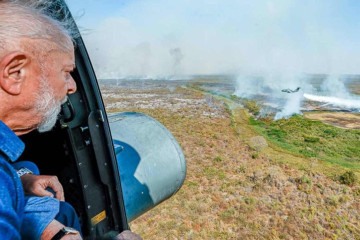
x=47, y=106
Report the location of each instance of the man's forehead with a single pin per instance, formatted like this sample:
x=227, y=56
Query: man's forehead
x=67, y=58
x=46, y=45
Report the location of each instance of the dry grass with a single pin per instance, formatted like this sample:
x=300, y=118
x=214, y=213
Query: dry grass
x=232, y=191
x=339, y=119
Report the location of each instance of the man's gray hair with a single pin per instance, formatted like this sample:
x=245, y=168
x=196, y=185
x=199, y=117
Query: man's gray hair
x=30, y=19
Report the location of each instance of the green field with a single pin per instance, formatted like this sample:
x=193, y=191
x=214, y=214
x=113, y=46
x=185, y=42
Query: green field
x=313, y=139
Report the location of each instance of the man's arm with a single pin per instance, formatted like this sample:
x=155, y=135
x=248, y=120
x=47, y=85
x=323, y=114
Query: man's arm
x=53, y=228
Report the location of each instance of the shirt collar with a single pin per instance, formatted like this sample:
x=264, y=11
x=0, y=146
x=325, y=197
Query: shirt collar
x=10, y=144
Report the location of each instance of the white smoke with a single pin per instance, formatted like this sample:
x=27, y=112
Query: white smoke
x=270, y=86
x=247, y=86
x=291, y=107
x=281, y=93
x=335, y=101
x=177, y=57
x=133, y=38
x=334, y=86
x=333, y=92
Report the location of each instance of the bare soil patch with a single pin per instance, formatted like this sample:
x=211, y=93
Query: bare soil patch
x=338, y=119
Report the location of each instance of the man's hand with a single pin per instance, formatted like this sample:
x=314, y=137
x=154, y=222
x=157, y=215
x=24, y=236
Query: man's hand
x=37, y=185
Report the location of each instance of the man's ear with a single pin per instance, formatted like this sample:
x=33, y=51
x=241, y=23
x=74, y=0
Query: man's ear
x=13, y=70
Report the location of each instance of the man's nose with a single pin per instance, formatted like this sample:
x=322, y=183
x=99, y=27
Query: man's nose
x=71, y=86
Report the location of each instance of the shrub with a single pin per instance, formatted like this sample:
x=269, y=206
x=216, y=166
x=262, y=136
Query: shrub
x=249, y=200
x=218, y=159
x=330, y=132
x=304, y=179
x=348, y=178
x=252, y=106
x=234, y=98
x=308, y=152
x=276, y=134
x=311, y=139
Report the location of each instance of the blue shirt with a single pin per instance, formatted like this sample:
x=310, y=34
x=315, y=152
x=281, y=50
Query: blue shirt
x=20, y=217
x=39, y=211
x=11, y=191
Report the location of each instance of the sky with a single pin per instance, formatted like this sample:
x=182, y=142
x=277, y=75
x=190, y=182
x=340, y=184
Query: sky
x=154, y=38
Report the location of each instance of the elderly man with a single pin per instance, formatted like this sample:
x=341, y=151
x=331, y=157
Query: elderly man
x=36, y=59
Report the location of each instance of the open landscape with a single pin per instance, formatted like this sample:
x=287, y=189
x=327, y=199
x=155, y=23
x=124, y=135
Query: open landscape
x=248, y=176
x=263, y=98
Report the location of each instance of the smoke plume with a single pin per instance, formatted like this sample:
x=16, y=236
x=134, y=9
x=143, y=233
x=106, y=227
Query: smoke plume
x=133, y=38
x=270, y=45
